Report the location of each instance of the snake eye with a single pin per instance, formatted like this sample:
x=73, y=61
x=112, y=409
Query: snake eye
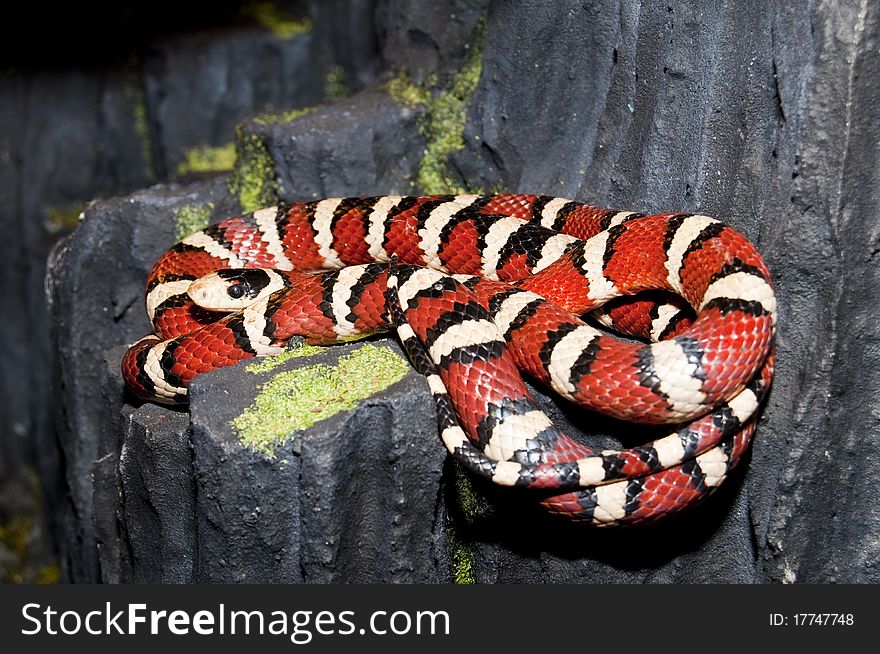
x=235, y=291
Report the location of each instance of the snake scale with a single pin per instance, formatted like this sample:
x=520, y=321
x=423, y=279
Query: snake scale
x=481, y=289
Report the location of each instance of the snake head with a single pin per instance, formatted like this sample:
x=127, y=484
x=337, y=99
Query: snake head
x=234, y=289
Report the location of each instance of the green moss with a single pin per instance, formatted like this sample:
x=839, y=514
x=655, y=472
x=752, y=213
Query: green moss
x=15, y=534
x=471, y=507
x=30, y=563
x=471, y=504
x=266, y=364
x=253, y=175
x=273, y=17
x=444, y=120
x=403, y=90
x=444, y=124
x=134, y=93
x=190, y=218
x=461, y=556
x=142, y=130
x=207, y=159
x=48, y=574
x=294, y=400
x=334, y=84
x=63, y=220
x=282, y=116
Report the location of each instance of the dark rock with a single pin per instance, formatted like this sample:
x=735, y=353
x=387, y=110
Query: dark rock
x=345, y=38
x=131, y=93
x=428, y=39
x=89, y=316
x=336, y=152
x=158, y=496
x=198, y=86
x=53, y=128
x=14, y=416
x=110, y=548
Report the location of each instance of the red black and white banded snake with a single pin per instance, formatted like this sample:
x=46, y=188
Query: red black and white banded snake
x=480, y=288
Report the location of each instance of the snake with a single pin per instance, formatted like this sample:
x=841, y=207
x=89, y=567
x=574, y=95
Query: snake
x=655, y=319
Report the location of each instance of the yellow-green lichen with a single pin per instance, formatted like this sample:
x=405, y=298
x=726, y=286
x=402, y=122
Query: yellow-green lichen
x=207, y=159
x=15, y=534
x=471, y=504
x=444, y=124
x=253, y=179
x=273, y=17
x=403, y=90
x=64, y=219
x=266, y=364
x=461, y=559
x=48, y=574
x=282, y=116
x=134, y=94
x=334, y=84
x=470, y=507
x=19, y=537
x=294, y=400
x=191, y=218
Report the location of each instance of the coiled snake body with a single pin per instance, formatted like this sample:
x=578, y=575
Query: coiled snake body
x=480, y=288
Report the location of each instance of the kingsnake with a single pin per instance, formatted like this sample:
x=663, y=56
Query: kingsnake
x=480, y=288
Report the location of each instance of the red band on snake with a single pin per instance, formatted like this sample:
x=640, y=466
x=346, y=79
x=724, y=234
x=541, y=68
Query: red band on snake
x=480, y=289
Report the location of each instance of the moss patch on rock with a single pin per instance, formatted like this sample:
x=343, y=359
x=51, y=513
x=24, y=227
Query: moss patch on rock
x=267, y=364
x=140, y=123
x=24, y=553
x=207, y=159
x=64, y=219
x=471, y=507
x=191, y=218
x=253, y=179
x=461, y=558
x=282, y=116
x=444, y=124
x=403, y=90
x=335, y=86
x=294, y=400
x=273, y=17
